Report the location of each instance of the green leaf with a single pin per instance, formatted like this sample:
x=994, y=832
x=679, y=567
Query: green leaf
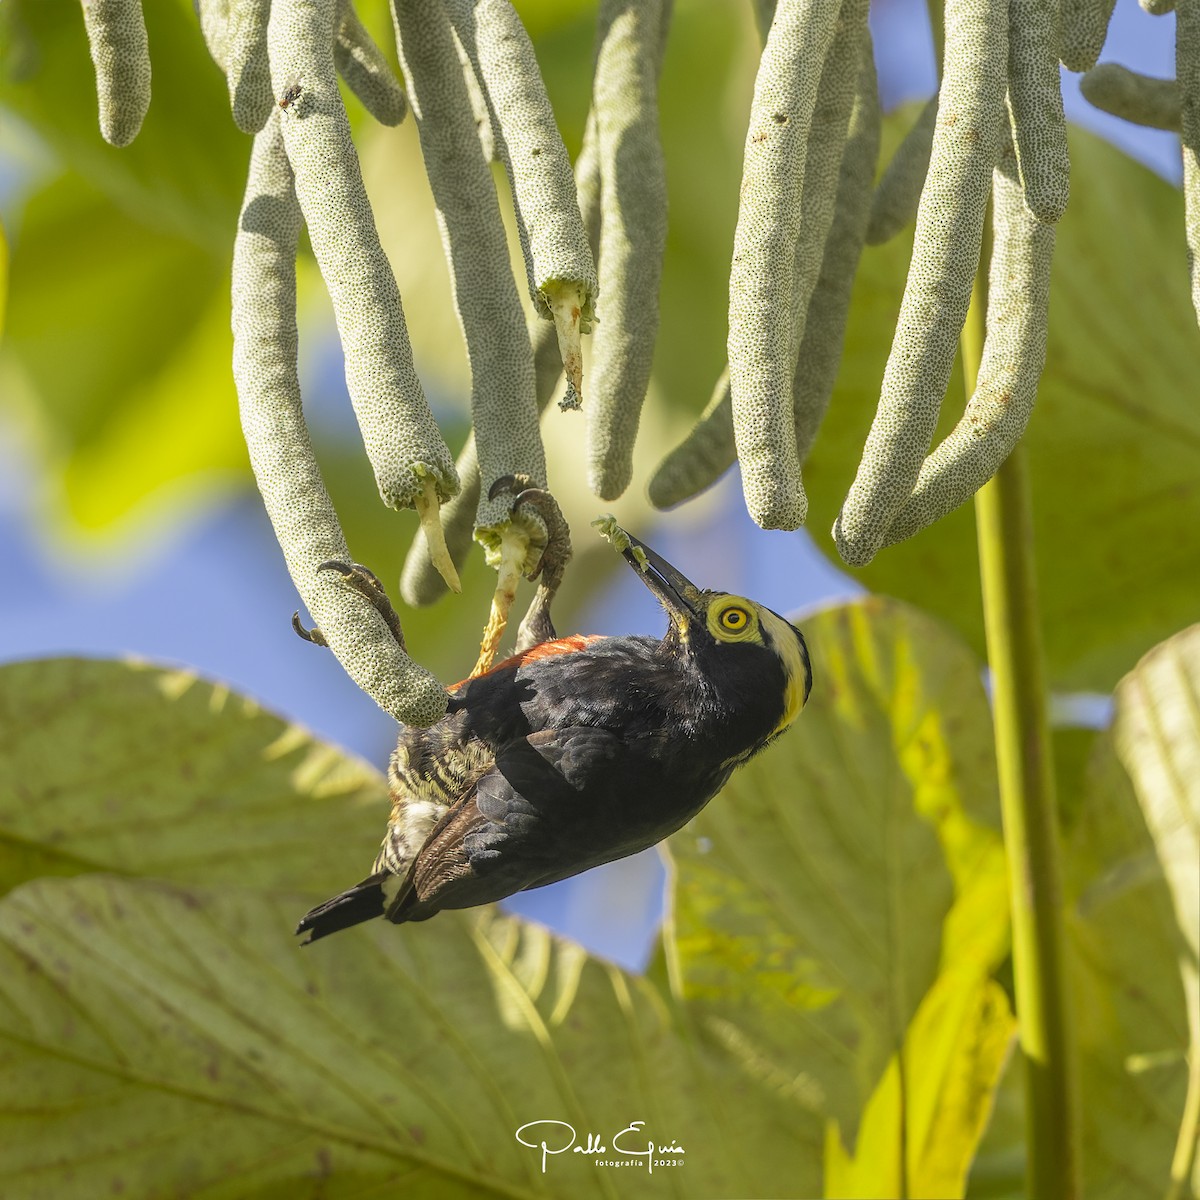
x=1130, y=1012
x=123, y=767
x=157, y=1040
x=818, y=899
x=1157, y=735
x=1114, y=445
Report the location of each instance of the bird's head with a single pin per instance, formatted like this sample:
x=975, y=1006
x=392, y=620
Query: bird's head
x=754, y=662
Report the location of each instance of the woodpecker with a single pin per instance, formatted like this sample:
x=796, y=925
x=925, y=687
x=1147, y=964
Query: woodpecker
x=578, y=751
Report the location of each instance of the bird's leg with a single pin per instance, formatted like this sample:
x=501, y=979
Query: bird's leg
x=537, y=625
x=364, y=581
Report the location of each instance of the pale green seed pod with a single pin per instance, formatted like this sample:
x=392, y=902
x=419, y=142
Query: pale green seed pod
x=420, y=583
x=553, y=241
x=236, y=35
x=761, y=329
x=631, y=37
x=214, y=25
x=764, y=14
x=1036, y=107
x=822, y=175
x=264, y=363
x=558, y=260
x=1187, y=73
x=946, y=247
x=1014, y=353
x=246, y=67
x=1084, y=26
x=366, y=71
x=708, y=451
x=894, y=205
x=829, y=307
x=630, y=41
x=587, y=182
x=702, y=457
x=503, y=407
x=116, y=34
x=1158, y=8
x=1133, y=97
x=402, y=439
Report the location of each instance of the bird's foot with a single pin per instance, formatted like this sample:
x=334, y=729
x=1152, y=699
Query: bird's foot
x=364, y=581
x=551, y=562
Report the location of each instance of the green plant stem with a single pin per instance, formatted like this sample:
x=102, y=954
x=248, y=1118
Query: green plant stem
x=1189, y=1135
x=1026, y=772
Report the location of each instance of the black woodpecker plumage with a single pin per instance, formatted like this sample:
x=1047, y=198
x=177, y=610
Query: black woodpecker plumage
x=577, y=752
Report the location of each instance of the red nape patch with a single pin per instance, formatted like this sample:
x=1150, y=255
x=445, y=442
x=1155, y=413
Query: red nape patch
x=567, y=645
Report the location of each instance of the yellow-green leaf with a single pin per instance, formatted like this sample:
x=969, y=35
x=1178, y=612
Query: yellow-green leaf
x=166, y=1041
x=934, y=1112
x=139, y=770
x=1157, y=733
x=1129, y=1005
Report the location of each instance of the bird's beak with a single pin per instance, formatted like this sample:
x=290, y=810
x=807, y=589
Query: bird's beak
x=676, y=593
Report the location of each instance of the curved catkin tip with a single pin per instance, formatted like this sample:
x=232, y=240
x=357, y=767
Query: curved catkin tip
x=702, y=457
x=633, y=232
x=553, y=240
x=1014, y=354
x=420, y=582
x=401, y=437
x=246, y=67
x=761, y=328
x=1140, y=99
x=503, y=408
x=1036, y=107
x=1187, y=72
x=363, y=66
x=1084, y=25
x=116, y=34
x=825, y=329
x=971, y=118
x=898, y=192
x=265, y=347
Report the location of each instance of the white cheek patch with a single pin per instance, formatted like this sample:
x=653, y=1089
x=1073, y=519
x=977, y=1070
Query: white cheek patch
x=787, y=646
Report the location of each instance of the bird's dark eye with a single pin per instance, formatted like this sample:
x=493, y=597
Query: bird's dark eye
x=734, y=619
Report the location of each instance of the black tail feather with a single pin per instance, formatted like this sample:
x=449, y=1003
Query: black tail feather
x=363, y=902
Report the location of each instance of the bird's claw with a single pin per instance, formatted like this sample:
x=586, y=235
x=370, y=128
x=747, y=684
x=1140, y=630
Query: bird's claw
x=367, y=584
x=557, y=551
x=537, y=627
x=313, y=635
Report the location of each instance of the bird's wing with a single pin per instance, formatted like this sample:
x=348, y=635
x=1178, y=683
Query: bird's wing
x=552, y=805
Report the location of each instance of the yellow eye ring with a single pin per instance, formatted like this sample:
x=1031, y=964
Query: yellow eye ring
x=734, y=619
